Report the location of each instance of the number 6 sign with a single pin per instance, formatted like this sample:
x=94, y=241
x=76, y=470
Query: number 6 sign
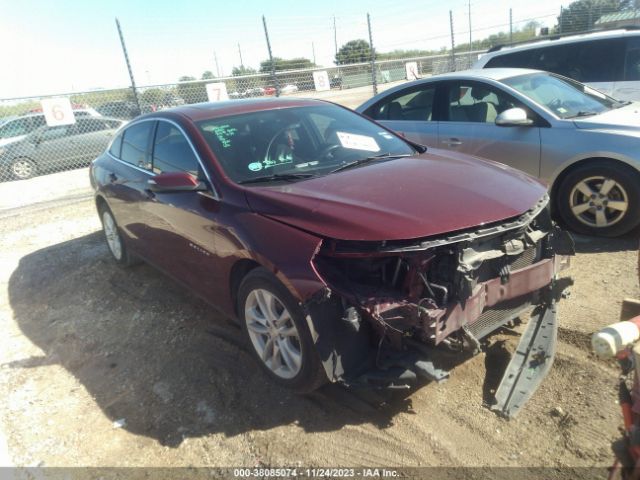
x=57, y=111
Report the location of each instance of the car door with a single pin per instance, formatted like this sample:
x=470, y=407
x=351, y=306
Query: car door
x=90, y=136
x=410, y=112
x=52, y=149
x=184, y=225
x=126, y=185
x=468, y=126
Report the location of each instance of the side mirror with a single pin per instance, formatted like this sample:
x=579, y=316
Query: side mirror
x=513, y=117
x=175, y=182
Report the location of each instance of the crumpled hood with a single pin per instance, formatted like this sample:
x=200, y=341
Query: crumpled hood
x=624, y=118
x=399, y=199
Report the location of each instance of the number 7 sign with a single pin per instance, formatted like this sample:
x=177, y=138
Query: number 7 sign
x=217, y=91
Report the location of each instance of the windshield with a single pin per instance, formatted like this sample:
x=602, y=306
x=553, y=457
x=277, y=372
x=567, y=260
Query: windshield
x=565, y=98
x=301, y=140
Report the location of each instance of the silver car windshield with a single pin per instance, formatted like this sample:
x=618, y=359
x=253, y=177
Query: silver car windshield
x=565, y=98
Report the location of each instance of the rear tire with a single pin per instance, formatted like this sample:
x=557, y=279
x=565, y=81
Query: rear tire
x=600, y=199
x=277, y=334
x=23, y=168
x=114, y=241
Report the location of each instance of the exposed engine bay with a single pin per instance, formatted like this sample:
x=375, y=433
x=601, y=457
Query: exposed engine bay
x=413, y=297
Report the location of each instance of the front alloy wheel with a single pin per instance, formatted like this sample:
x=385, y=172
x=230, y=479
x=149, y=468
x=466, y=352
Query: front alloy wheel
x=273, y=333
x=277, y=333
x=23, y=168
x=599, y=202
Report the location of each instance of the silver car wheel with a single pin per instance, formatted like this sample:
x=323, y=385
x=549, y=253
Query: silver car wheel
x=22, y=168
x=111, y=234
x=598, y=201
x=273, y=333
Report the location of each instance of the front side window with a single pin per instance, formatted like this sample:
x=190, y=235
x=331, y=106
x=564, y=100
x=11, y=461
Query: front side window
x=415, y=105
x=301, y=140
x=136, y=144
x=15, y=128
x=477, y=102
x=565, y=98
x=172, y=152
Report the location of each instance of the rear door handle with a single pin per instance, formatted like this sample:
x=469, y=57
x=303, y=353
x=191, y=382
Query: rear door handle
x=452, y=142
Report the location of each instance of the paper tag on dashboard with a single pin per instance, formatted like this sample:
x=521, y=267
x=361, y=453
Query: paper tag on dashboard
x=358, y=142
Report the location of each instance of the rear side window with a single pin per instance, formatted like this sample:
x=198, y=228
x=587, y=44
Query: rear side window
x=415, y=104
x=589, y=61
x=511, y=60
x=632, y=60
x=115, y=146
x=172, y=152
x=136, y=144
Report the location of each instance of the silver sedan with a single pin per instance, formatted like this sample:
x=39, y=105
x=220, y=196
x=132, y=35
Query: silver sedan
x=585, y=144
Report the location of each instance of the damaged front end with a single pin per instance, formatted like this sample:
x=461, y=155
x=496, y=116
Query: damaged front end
x=394, y=305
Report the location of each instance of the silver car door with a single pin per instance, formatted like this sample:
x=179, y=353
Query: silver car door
x=468, y=126
x=409, y=112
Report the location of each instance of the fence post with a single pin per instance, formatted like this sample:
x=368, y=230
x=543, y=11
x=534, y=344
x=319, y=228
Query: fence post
x=511, y=25
x=276, y=84
x=469, y=34
x=453, y=45
x=373, y=58
x=126, y=59
x=561, y=21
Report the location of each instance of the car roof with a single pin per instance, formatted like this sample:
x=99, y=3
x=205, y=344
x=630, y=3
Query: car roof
x=209, y=110
x=562, y=40
x=485, y=73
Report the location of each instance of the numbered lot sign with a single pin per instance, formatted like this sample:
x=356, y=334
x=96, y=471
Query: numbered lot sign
x=57, y=111
x=411, y=69
x=321, y=81
x=217, y=91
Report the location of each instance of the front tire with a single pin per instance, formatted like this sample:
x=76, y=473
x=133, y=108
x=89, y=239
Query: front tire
x=600, y=199
x=23, y=168
x=277, y=334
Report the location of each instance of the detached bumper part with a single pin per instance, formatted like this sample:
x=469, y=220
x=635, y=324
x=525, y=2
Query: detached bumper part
x=530, y=362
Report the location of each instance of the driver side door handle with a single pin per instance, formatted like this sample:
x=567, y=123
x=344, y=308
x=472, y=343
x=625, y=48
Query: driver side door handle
x=452, y=142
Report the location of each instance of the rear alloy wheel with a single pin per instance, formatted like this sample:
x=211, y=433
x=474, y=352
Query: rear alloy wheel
x=600, y=200
x=23, y=168
x=114, y=241
x=277, y=333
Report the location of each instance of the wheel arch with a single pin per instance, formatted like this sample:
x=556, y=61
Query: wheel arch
x=239, y=271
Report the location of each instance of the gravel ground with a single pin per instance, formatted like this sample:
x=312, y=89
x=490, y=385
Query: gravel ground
x=101, y=366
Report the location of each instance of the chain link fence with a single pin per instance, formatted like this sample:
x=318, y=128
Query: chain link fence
x=29, y=146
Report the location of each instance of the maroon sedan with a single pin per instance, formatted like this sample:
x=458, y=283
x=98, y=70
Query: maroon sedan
x=347, y=253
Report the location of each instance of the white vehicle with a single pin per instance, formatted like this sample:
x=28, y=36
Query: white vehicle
x=15, y=128
x=608, y=61
x=289, y=89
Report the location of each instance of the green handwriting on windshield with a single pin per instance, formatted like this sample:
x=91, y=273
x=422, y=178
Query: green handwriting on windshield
x=224, y=134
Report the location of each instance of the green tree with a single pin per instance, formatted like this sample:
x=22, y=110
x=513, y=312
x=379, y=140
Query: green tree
x=581, y=15
x=354, y=51
x=207, y=75
x=153, y=96
x=282, y=64
x=242, y=70
x=192, y=92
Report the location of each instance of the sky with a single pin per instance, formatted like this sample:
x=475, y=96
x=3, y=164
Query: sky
x=61, y=46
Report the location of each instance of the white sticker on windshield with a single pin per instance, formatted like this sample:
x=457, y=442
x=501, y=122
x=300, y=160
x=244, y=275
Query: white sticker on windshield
x=255, y=166
x=358, y=142
x=386, y=135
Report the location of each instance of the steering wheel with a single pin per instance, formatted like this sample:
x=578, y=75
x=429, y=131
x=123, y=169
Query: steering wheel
x=328, y=149
x=555, y=104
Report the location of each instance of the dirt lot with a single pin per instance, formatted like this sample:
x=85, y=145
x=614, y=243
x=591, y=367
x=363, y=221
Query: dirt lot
x=86, y=344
